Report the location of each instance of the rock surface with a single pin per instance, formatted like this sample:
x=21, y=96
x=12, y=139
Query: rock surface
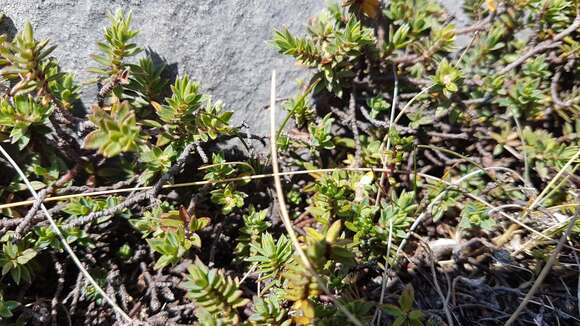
x=221, y=43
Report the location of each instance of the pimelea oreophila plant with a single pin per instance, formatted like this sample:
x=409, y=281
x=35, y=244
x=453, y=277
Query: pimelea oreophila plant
x=429, y=181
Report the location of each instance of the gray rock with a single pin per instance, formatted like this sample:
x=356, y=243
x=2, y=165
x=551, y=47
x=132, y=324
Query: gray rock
x=222, y=44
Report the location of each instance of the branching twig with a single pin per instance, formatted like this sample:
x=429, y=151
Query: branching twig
x=132, y=200
x=23, y=226
x=76, y=189
x=151, y=290
x=64, y=241
x=480, y=26
x=543, y=46
x=120, y=78
x=61, y=272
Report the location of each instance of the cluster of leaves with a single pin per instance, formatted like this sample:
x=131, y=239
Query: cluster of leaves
x=26, y=65
x=215, y=293
x=226, y=194
x=404, y=313
x=20, y=116
x=453, y=97
x=404, y=136
x=117, y=45
x=130, y=131
x=171, y=233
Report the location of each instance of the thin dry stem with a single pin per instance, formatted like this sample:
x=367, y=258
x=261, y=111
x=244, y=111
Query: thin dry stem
x=64, y=242
x=284, y=211
x=187, y=184
x=544, y=271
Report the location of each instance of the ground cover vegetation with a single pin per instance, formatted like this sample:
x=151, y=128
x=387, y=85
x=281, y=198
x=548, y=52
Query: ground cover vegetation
x=424, y=175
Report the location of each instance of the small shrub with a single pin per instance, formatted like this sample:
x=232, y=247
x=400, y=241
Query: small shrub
x=409, y=158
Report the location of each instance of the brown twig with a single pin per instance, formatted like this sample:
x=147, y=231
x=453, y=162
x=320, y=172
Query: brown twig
x=134, y=199
x=543, y=46
x=61, y=272
x=81, y=189
x=151, y=290
x=24, y=225
x=121, y=78
x=446, y=135
x=114, y=282
x=444, y=299
x=76, y=293
x=479, y=26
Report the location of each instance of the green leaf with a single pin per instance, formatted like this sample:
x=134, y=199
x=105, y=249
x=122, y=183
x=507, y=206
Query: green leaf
x=26, y=256
x=6, y=308
x=116, y=131
x=400, y=321
x=416, y=315
x=16, y=274
x=407, y=298
x=6, y=268
x=27, y=33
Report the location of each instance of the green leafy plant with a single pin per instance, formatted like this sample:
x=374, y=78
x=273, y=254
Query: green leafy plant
x=255, y=225
x=300, y=109
x=117, y=45
x=545, y=151
x=146, y=84
x=396, y=216
x=15, y=259
x=213, y=121
x=226, y=194
x=174, y=234
x=404, y=314
x=157, y=161
x=332, y=48
x=300, y=288
x=215, y=292
x=183, y=103
x=332, y=197
x=446, y=77
x=412, y=128
x=228, y=198
x=26, y=61
x=171, y=246
x=378, y=105
x=20, y=116
x=476, y=215
x=116, y=131
x=7, y=306
x=271, y=257
x=46, y=238
x=189, y=115
x=328, y=246
x=321, y=133
x=268, y=311
x=64, y=88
